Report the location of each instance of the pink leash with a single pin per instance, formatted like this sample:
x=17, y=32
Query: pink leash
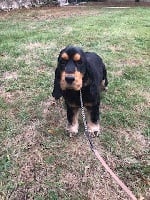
x=99, y=157
x=115, y=177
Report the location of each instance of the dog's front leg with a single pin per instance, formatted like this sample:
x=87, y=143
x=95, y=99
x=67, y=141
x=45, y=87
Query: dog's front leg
x=72, y=117
x=93, y=120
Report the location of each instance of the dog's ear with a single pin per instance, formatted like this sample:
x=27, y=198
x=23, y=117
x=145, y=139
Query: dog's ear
x=94, y=77
x=57, y=91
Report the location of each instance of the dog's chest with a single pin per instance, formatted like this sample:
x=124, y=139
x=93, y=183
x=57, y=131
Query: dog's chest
x=73, y=97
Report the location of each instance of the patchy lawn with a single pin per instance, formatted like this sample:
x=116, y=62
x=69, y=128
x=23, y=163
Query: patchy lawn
x=38, y=161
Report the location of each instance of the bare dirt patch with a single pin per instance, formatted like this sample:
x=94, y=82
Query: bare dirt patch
x=10, y=75
x=51, y=12
x=10, y=97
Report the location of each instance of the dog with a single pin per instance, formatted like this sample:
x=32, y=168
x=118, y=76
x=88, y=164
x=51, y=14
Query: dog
x=78, y=70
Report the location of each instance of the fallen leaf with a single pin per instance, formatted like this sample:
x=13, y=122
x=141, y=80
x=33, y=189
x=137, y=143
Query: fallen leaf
x=51, y=131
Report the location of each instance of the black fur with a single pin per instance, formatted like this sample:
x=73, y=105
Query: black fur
x=94, y=72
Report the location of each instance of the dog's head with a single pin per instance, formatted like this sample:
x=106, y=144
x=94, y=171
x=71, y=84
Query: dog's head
x=71, y=63
x=70, y=70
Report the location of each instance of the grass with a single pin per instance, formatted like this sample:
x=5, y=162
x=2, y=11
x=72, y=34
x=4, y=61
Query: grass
x=38, y=161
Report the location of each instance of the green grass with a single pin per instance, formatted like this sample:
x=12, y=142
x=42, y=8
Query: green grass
x=38, y=160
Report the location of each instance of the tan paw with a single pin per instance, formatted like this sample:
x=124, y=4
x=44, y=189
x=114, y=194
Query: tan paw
x=72, y=130
x=94, y=129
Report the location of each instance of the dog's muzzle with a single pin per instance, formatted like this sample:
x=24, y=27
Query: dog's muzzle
x=71, y=80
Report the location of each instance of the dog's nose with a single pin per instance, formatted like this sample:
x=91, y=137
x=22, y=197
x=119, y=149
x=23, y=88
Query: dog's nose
x=69, y=79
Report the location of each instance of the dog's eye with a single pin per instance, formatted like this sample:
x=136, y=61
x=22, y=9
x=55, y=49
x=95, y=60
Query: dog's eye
x=63, y=62
x=79, y=62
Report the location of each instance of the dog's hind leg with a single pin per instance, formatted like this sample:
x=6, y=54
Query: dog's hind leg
x=103, y=86
x=104, y=82
x=72, y=117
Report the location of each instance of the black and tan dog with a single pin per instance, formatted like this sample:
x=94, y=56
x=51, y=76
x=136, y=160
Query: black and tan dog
x=78, y=70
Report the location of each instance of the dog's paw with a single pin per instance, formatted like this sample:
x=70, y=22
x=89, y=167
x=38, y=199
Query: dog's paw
x=72, y=130
x=94, y=129
x=94, y=134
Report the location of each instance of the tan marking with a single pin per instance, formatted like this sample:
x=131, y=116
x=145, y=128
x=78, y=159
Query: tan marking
x=76, y=57
x=73, y=105
x=103, y=83
x=88, y=104
x=77, y=83
x=93, y=127
x=63, y=83
x=65, y=56
x=75, y=117
x=73, y=128
x=102, y=86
